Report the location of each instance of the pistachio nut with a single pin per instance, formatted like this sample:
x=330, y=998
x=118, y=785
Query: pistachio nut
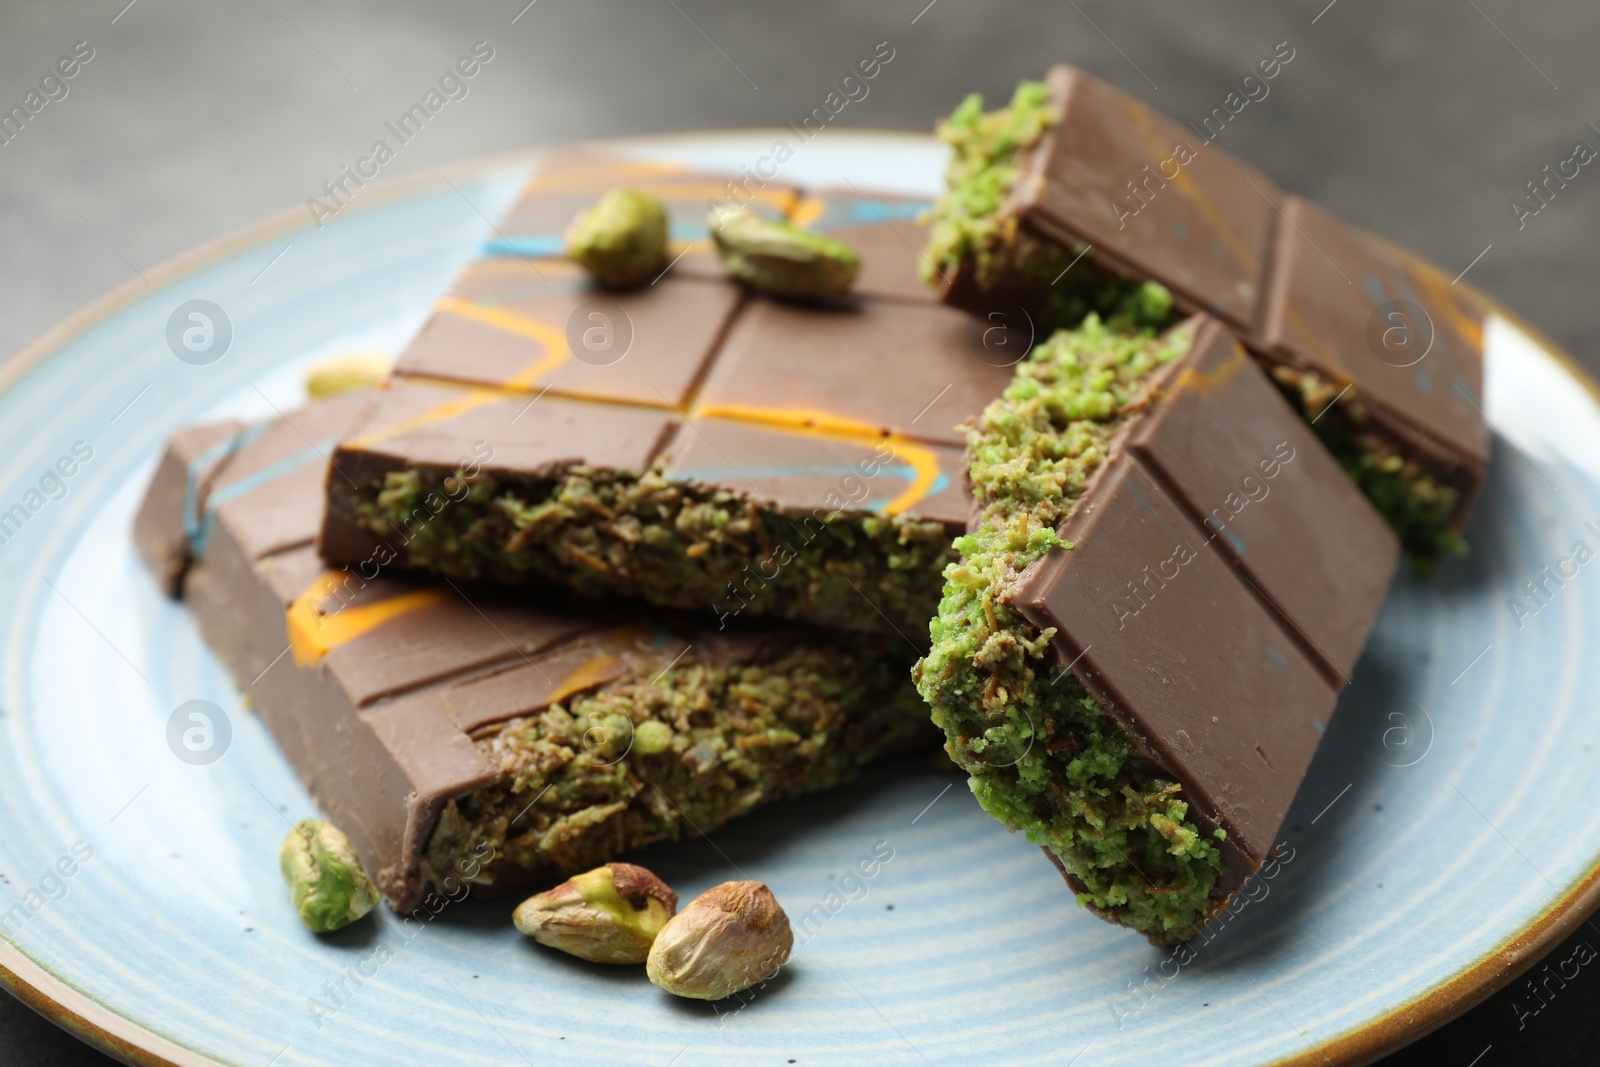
x=778, y=258
x=326, y=882
x=344, y=374
x=622, y=240
x=652, y=736
x=729, y=938
x=612, y=914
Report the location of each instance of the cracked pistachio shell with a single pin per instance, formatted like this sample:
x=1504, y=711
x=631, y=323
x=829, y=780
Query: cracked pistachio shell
x=729, y=938
x=326, y=882
x=622, y=240
x=778, y=258
x=611, y=914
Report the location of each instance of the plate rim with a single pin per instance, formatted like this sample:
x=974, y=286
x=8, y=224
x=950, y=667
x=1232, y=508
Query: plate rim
x=130, y=1041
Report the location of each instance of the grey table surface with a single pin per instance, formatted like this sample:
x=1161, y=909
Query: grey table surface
x=1419, y=121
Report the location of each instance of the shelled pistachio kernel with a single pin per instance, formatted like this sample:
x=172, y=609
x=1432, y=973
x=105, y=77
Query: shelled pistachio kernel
x=343, y=374
x=652, y=736
x=622, y=240
x=326, y=882
x=611, y=914
x=778, y=258
x=729, y=938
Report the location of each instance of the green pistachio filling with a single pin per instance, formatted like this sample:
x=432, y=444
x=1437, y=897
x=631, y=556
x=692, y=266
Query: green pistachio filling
x=969, y=230
x=672, y=543
x=658, y=759
x=987, y=150
x=1043, y=757
x=972, y=231
x=1418, y=507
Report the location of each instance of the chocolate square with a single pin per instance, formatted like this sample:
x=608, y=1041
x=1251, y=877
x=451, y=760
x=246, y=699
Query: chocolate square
x=1154, y=199
x=1346, y=308
x=536, y=326
x=885, y=230
x=909, y=369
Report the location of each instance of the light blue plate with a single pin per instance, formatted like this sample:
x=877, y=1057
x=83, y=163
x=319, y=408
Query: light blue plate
x=1442, y=840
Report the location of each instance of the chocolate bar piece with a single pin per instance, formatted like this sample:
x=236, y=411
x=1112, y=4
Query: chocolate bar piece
x=1375, y=347
x=448, y=728
x=685, y=441
x=1166, y=585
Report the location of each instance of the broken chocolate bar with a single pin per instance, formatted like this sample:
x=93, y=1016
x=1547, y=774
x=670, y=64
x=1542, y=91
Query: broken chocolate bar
x=445, y=728
x=1165, y=587
x=1060, y=200
x=684, y=442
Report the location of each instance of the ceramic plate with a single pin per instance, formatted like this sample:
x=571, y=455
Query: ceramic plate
x=1440, y=842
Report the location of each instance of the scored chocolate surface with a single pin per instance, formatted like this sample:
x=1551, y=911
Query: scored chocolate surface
x=1190, y=647
x=374, y=686
x=803, y=410
x=1150, y=199
x=1222, y=578
x=1229, y=450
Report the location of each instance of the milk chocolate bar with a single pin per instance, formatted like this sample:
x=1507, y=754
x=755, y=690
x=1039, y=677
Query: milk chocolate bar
x=685, y=441
x=450, y=728
x=1060, y=201
x=1167, y=582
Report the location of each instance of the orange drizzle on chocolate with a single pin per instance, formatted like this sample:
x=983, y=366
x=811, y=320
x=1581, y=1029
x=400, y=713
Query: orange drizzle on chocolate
x=314, y=633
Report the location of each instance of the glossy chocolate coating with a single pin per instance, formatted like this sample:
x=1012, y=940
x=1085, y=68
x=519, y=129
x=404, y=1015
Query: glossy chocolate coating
x=373, y=685
x=1305, y=291
x=1217, y=638
x=791, y=406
